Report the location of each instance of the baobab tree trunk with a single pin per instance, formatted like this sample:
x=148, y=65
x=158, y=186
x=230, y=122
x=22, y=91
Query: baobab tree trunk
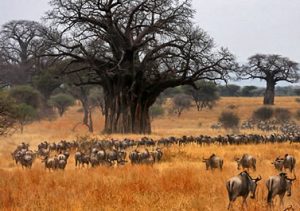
x=269, y=93
x=127, y=113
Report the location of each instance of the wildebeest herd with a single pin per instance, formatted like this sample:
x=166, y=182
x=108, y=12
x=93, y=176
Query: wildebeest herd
x=115, y=152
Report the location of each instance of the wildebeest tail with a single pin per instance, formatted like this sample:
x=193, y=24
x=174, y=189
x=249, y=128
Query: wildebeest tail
x=229, y=186
x=270, y=192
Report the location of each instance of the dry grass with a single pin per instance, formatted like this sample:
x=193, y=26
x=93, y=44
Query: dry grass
x=180, y=182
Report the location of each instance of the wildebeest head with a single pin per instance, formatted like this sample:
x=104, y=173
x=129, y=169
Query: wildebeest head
x=289, y=183
x=252, y=183
x=278, y=163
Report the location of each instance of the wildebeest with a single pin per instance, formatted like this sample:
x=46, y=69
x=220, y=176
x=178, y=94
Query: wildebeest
x=241, y=185
x=213, y=162
x=81, y=159
x=247, y=161
x=279, y=185
x=157, y=154
x=278, y=163
x=50, y=163
x=289, y=162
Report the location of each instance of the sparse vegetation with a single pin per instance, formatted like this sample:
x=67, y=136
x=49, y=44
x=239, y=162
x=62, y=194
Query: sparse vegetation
x=181, y=102
x=282, y=114
x=156, y=111
x=229, y=120
x=263, y=113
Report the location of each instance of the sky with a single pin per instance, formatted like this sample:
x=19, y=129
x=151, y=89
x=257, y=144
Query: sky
x=245, y=27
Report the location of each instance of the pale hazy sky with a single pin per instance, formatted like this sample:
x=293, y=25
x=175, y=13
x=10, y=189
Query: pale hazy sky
x=246, y=27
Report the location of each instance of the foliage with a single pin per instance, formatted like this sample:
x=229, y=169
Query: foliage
x=26, y=94
x=46, y=83
x=263, y=113
x=181, y=102
x=62, y=102
x=156, y=110
x=7, y=114
x=248, y=91
x=205, y=96
x=96, y=99
x=25, y=114
x=229, y=120
x=229, y=90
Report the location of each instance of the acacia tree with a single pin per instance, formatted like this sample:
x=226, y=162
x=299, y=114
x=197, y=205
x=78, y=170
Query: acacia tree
x=21, y=43
x=272, y=69
x=134, y=49
x=205, y=96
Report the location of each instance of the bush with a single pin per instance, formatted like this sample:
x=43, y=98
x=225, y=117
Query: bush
x=229, y=120
x=282, y=114
x=26, y=94
x=25, y=114
x=263, y=113
x=156, y=111
x=181, y=102
x=62, y=102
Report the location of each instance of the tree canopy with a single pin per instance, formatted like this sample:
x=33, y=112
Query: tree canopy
x=134, y=49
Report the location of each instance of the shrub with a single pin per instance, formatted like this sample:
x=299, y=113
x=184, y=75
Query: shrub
x=263, y=113
x=25, y=114
x=62, y=102
x=282, y=114
x=156, y=111
x=229, y=120
x=181, y=102
x=26, y=94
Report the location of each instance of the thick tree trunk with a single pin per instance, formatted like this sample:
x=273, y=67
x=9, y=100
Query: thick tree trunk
x=269, y=93
x=127, y=114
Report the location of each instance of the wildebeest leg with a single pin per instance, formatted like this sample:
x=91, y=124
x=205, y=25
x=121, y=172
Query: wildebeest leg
x=281, y=200
x=244, y=204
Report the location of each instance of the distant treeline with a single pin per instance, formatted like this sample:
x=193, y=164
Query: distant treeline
x=232, y=90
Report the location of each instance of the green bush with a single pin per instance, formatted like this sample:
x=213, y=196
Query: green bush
x=263, y=113
x=62, y=102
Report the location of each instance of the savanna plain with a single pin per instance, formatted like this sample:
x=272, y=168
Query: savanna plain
x=179, y=182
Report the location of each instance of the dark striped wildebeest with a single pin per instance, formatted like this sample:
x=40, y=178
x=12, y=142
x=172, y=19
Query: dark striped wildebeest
x=247, y=161
x=213, y=162
x=279, y=185
x=241, y=185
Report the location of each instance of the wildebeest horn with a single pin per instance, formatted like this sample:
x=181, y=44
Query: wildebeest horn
x=258, y=178
x=292, y=179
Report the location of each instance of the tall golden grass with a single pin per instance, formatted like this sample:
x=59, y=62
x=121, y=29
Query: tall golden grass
x=179, y=182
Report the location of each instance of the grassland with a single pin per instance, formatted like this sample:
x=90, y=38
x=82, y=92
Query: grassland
x=179, y=182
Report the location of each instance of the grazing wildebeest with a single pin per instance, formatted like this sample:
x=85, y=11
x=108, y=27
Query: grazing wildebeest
x=279, y=185
x=134, y=156
x=81, y=158
x=241, y=185
x=50, y=163
x=157, y=154
x=213, y=162
x=278, y=163
x=247, y=161
x=289, y=162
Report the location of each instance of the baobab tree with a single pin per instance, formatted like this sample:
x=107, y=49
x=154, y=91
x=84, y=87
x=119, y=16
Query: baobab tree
x=134, y=49
x=272, y=69
x=21, y=42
